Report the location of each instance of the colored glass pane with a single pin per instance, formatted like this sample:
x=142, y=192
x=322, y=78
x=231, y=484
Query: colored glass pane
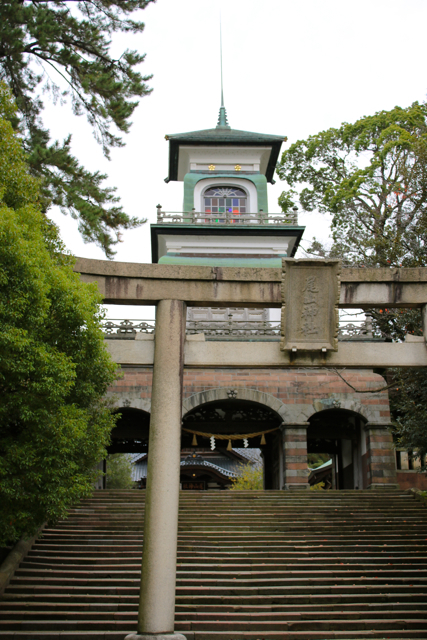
x=223, y=198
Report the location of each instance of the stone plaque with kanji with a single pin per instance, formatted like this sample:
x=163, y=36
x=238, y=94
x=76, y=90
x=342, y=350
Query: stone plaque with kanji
x=310, y=296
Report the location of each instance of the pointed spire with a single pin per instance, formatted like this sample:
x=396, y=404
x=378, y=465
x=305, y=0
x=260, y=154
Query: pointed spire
x=220, y=56
x=222, y=118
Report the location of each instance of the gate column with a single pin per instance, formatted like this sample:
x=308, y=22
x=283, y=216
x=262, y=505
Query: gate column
x=295, y=455
x=158, y=577
x=381, y=459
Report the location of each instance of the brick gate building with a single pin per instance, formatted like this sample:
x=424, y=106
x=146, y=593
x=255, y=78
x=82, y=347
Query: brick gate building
x=226, y=223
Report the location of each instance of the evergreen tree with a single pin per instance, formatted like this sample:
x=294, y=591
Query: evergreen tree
x=63, y=48
x=54, y=368
x=372, y=177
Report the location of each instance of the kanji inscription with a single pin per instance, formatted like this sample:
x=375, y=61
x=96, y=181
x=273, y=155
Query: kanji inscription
x=310, y=296
x=310, y=308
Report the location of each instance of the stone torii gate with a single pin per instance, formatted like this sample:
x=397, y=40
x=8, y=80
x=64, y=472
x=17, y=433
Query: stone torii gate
x=310, y=292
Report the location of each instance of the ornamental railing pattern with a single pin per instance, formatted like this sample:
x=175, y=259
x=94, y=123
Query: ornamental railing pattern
x=237, y=328
x=127, y=329
x=226, y=218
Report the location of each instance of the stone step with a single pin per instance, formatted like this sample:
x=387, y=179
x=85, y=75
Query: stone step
x=219, y=635
x=223, y=625
x=226, y=573
x=251, y=565
x=235, y=564
x=203, y=602
x=81, y=609
x=242, y=616
x=308, y=586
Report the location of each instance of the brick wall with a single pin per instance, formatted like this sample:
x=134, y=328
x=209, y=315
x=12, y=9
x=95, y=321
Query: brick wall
x=412, y=480
x=292, y=387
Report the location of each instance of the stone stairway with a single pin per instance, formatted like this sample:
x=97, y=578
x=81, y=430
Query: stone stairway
x=251, y=565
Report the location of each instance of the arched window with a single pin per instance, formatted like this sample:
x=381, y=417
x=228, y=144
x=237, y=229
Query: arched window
x=223, y=199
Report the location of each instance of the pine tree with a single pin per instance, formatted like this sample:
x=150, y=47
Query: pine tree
x=46, y=45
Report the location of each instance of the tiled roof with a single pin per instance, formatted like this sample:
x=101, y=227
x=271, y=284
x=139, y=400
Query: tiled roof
x=203, y=463
x=224, y=135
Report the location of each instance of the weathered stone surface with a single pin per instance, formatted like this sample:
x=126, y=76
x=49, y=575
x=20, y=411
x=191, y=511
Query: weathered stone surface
x=157, y=636
x=157, y=594
x=310, y=295
x=360, y=355
x=145, y=284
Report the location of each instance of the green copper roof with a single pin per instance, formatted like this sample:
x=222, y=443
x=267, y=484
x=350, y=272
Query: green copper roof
x=223, y=135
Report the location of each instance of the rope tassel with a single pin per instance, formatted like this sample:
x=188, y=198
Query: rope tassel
x=229, y=447
x=263, y=439
x=194, y=442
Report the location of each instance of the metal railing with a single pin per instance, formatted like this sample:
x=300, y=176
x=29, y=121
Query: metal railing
x=360, y=329
x=114, y=328
x=234, y=328
x=226, y=218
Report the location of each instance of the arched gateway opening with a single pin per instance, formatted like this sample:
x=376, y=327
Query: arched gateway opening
x=204, y=467
x=339, y=433
x=238, y=427
x=130, y=435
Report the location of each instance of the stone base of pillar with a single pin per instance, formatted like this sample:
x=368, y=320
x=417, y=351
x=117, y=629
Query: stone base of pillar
x=383, y=487
x=293, y=486
x=156, y=636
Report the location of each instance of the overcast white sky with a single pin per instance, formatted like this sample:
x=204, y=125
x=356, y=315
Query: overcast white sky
x=291, y=68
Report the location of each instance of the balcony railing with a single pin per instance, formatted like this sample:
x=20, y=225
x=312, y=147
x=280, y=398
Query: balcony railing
x=226, y=218
x=357, y=330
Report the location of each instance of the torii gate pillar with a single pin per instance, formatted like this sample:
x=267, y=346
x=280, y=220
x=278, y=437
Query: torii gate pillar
x=158, y=576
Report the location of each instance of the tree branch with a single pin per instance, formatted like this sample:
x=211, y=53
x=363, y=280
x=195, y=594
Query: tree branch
x=379, y=390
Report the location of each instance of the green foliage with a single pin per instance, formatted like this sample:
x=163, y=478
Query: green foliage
x=46, y=43
x=317, y=487
x=250, y=478
x=54, y=369
x=372, y=177
x=409, y=409
x=119, y=472
x=315, y=460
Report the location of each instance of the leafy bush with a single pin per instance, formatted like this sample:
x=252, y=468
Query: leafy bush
x=250, y=478
x=119, y=472
x=317, y=487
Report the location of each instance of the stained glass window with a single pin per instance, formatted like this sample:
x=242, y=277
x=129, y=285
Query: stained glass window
x=225, y=199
